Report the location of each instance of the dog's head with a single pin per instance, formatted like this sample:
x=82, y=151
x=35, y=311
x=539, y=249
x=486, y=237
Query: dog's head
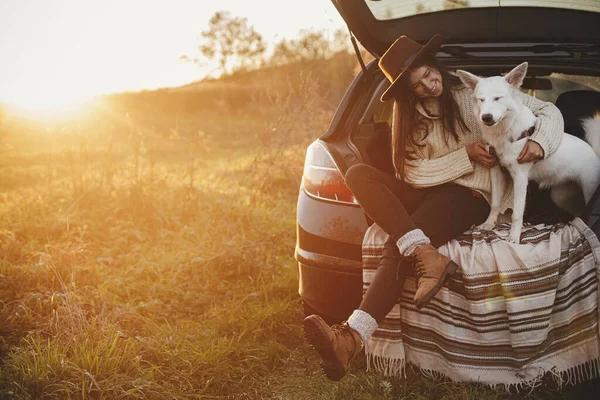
x=493, y=97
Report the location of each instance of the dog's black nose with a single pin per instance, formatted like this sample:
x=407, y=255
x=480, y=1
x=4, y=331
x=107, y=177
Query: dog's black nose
x=487, y=118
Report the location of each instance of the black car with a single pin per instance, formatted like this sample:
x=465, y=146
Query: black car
x=562, y=46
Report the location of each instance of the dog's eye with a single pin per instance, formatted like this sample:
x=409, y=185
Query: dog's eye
x=479, y=99
x=497, y=98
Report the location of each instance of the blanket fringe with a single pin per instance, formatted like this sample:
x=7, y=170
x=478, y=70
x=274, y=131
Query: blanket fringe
x=386, y=365
x=519, y=386
x=580, y=373
x=575, y=375
x=432, y=374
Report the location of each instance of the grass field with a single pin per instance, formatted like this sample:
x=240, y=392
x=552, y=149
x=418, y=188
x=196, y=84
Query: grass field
x=160, y=266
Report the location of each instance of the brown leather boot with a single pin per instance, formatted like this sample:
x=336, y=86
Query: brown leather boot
x=337, y=345
x=432, y=268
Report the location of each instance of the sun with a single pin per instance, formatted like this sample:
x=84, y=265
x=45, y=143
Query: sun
x=55, y=104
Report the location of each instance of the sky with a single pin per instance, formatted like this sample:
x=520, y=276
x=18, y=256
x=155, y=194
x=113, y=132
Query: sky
x=62, y=50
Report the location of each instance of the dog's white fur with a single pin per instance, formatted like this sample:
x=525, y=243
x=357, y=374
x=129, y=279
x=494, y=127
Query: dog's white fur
x=591, y=126
x=503, y=118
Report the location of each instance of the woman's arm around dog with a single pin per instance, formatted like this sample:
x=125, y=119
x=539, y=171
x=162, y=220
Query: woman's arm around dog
x=549, y=127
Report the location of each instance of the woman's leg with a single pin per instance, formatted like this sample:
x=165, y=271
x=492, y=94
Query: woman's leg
x=385, y=199
x=449, y=210
x=379, y=195
x=413, y=218
x=441, y=212
x=386, y=286
x=444, y=212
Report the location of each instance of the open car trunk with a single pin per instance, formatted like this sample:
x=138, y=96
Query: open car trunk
x=484, y=34
x=377, y=23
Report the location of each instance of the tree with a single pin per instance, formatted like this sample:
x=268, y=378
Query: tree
x=310, y=45
x=341, y=42
x=231, y=42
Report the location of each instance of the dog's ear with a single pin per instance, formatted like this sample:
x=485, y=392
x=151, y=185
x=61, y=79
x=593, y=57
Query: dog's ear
x=516, y=76
x=469, y=80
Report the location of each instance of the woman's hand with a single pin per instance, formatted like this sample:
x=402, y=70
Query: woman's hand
x=478, y=152
x=532, y=151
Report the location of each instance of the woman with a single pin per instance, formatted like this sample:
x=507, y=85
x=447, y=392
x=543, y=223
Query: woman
x=440, y=189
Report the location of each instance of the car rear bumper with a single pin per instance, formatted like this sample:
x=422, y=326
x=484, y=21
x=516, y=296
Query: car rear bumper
x=331, y=292
x=328, y=251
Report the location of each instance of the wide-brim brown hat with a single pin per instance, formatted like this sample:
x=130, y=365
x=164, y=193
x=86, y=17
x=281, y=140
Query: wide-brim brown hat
x=401, y=56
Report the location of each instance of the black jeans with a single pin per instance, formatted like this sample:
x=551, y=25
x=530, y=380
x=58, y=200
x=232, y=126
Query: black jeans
x=441, y=212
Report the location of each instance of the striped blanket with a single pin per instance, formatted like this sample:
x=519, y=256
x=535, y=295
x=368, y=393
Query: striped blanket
x=512, y=314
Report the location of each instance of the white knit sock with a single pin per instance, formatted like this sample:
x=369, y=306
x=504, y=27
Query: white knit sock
x=362, y=323
x=407, y=243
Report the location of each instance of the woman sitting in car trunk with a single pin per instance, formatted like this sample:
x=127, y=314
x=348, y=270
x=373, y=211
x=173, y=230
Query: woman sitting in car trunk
x=441, y=188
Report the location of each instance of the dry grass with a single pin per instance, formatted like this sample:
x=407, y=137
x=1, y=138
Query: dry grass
x=158, y=264
x=136, y=265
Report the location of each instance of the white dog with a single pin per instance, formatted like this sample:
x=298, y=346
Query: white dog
x=504, y=119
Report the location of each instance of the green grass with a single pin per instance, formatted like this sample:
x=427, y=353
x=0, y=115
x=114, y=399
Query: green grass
x=167, y=274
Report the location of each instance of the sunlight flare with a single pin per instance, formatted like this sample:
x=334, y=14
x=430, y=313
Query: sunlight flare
x=51, y=104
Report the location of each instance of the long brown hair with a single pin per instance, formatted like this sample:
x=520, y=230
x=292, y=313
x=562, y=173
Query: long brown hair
x=409, y=130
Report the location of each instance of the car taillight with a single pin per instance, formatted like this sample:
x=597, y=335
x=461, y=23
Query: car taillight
x=321, y=177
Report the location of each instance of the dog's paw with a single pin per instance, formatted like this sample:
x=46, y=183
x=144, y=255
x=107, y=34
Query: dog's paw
x=514, y=237
x=486, y=226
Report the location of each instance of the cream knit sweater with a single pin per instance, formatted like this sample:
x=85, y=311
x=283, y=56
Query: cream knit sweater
x=439, y=162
